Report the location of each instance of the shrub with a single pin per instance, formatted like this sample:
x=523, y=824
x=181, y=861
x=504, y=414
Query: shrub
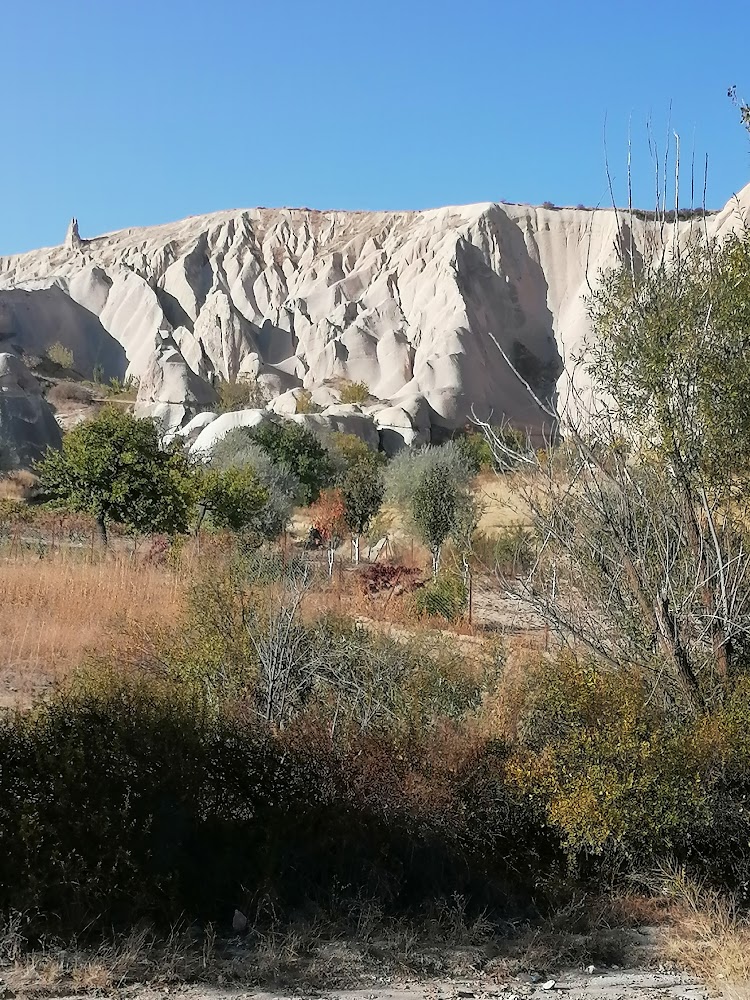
x=509, y=551
x=446, y=597
x=238, y=450
x=234, y=498
x=304, y=403
x=354, y=392
x=125, y=801
x=349, y=450
x=242, y=394
x=69, y=392
x=624, y=781
x=60, y=355
x=385, y=576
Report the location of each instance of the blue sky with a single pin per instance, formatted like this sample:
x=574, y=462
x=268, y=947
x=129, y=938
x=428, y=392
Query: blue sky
x=131, y=112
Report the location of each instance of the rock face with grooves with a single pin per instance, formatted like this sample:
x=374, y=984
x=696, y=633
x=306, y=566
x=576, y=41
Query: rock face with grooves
x=403, y=301
x=27, y=423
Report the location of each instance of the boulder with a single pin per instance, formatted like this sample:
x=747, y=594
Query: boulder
x=340, y=419
x=218, y=428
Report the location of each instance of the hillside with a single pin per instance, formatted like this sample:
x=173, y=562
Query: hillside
x=403, y=301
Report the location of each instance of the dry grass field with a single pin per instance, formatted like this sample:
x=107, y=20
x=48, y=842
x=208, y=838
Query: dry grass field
x=57, y=609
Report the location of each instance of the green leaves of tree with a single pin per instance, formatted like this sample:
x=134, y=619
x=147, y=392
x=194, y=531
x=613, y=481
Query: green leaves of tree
x=116, y=468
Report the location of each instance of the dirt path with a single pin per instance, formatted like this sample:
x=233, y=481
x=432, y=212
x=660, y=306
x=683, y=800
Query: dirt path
x=629, y=984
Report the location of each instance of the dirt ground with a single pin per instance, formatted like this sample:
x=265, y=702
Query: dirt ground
x=612, y=984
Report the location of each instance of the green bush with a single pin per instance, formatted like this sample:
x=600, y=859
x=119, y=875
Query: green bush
x=242, y=394
x=304, y=403
x=126, y=800
x=300, y=451
x=354, y=392
x=625, y=782
x=445, y=597
x=60, y=355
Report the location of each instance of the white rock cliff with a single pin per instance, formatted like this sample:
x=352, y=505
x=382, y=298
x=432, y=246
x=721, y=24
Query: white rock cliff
x=404, y=301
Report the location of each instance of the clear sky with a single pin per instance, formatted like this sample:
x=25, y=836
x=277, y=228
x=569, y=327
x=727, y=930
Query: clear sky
x=131, y=112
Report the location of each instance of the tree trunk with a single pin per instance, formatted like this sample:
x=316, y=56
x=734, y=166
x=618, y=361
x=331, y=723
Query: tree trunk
x=435, y=562
x=331, y=555
x=355, y=542
x=101, y=530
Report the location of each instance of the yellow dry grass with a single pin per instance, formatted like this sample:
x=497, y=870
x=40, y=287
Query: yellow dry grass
x=56, y=610
x=17, y=485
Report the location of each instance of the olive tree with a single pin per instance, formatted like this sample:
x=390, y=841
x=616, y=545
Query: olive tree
x=238, y=450
x=431, y=486
x=362, y=490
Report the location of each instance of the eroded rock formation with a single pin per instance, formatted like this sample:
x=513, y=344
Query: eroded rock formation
x=27, y=423
x=403, y=301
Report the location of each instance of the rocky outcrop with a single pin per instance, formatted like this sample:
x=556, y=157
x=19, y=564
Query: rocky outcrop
x=404, y=301
x=72, y=237
x=170, y=391
x=27, y=423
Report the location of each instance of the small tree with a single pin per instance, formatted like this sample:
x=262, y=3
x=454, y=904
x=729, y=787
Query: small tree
x=429, y=485
x=329, y=519
x=299, y=449
x=435, y=507
x=362, y=491
x=238, y=450
x=468, y=513
x=235, y=498
x=116, y=468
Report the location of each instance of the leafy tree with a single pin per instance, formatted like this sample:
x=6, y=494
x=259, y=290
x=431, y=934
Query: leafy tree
x=349, y=449
x=298, y=449
x=238, y=450
x=235, y=498
x=329, y=519
x=362, y=491
x=431, y=485
x=116, y=468
x=465, y=524
x=435, y=507
x=644, y=544
x=407, y=469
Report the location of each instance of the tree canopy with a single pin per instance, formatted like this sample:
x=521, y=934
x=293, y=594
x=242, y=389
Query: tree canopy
x=116, y=468
x=300, y=450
